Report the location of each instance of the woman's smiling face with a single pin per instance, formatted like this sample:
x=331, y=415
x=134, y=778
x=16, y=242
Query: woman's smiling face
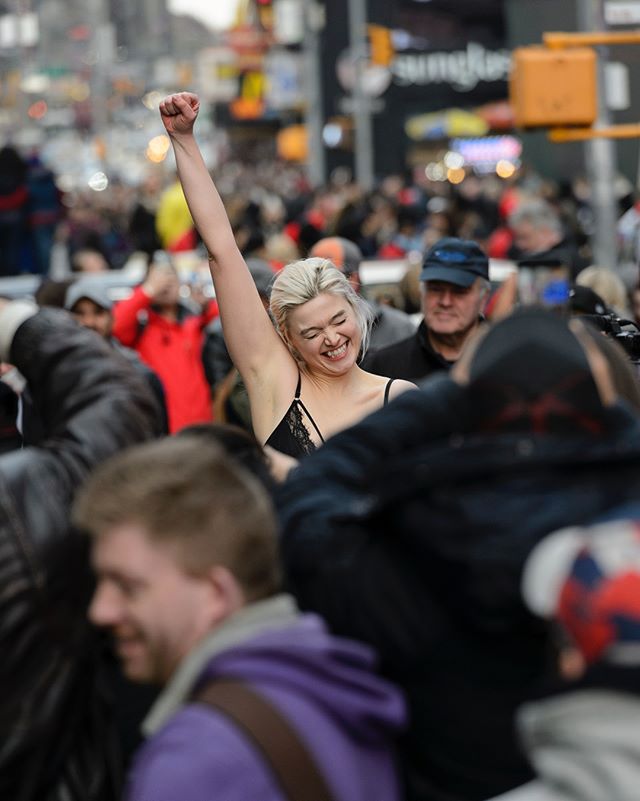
x=325, y=333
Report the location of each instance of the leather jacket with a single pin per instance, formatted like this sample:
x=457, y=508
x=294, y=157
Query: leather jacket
x=55, y=736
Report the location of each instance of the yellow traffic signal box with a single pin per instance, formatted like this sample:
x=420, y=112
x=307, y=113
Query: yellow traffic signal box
x=550, y=87
x=382, y=50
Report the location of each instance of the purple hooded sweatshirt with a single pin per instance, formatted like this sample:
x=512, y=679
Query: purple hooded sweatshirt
x=325, y=686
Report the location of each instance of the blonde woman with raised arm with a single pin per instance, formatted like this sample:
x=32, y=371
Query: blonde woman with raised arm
x=302, y=376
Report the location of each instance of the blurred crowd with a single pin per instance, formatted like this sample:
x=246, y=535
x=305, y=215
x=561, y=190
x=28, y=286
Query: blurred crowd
x=277, y=215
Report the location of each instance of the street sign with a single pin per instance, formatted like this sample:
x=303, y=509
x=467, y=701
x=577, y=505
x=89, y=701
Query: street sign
x=622, y=12
x=218, y=74
x=285, y=80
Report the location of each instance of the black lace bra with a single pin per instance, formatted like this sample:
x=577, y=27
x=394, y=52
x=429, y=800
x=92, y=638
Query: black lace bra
x=291, y=435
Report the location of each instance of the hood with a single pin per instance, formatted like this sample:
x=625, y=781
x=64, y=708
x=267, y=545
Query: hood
x=586, y=745
x=530, y=374
x=334, y=673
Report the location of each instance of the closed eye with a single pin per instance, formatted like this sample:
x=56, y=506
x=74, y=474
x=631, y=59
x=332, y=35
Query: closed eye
x=129, y=587
x=311, y=333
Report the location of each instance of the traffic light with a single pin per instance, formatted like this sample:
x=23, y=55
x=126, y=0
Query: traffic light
x=382, y=49
x=550, y=87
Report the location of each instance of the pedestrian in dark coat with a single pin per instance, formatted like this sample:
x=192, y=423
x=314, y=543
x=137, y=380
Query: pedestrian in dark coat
x=56, y=742
x=409, y=531
x=14, y=195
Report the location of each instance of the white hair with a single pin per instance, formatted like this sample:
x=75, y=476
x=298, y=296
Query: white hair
x=539, y=214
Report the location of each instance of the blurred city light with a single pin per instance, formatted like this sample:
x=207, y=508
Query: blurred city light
x=160, y=144
x=98, y=182
x=453, y=160
x=484, y=153
x=152, y=100
x=292, y=143
x=35, y=84
x=158, y=148
x=332, y=134
x=505, y=169
x=455, y=176
x=37, y=110
x=435, y=171
x=79, y=92
x=65, y=183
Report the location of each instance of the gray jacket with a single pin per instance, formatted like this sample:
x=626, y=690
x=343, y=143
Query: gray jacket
x=584, y=746
x=389, y=326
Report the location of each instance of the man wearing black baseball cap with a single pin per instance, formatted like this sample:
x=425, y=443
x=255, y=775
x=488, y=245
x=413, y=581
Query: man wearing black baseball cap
x=454, y=287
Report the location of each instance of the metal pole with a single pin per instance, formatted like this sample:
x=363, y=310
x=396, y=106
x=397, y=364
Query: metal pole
x=600, y=154
x=361, y=106
x=23, y=7
x=100, y=44
x=20, y=62
x=313, y=24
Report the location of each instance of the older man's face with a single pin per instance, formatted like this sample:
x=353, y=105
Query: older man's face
x=450, y=309
x=530, y=239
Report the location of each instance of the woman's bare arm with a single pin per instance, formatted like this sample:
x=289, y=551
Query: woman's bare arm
x=254, y=345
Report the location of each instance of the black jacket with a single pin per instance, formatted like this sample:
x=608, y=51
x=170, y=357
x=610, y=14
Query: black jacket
x=409, y=532
x=565, y=252
x=150, y=377
x=412, y=358
x=54, y=732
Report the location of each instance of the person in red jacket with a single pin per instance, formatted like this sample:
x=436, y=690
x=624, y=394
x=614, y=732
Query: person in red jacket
x=169, y=339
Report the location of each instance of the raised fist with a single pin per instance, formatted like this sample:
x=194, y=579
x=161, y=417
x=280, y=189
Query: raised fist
x=179, y=112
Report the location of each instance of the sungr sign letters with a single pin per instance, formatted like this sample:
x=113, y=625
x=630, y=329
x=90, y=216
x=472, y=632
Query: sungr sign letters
x=463, y=70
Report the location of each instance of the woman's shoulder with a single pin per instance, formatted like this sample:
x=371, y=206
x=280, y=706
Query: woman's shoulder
x=395, y=386
x=400, y=385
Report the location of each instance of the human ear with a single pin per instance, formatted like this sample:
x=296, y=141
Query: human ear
x=226, y=596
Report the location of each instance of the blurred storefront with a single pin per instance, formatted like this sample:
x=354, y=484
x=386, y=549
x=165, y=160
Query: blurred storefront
x=437, y=71
x=253, y=80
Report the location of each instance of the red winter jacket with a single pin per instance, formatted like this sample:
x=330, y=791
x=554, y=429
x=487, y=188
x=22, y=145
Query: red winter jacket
x=173, y=350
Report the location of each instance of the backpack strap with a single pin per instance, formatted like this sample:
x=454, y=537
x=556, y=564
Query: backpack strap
x=288, y=757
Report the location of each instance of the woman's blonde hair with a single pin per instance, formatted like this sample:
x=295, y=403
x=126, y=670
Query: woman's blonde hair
x=304, y=280
x=606, y=283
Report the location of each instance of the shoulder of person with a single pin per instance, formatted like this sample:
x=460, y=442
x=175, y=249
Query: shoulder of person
x=533, y=791
x=399, y=386
x=196, y=750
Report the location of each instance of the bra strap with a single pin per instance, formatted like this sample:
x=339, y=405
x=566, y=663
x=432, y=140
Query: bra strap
x=308, y=416
x=386, y=391
x=304, y=408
